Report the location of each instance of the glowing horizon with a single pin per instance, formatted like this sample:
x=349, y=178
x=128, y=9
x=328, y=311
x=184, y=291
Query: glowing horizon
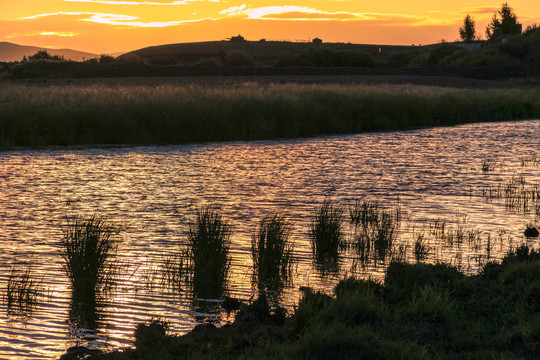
x=108, y=26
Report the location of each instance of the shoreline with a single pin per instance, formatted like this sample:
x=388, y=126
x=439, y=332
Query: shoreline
x=420, y=312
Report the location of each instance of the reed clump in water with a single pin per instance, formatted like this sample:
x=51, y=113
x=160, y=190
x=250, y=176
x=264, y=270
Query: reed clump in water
x=421, y=248
x=23, y=290
x=327, y=235
x=375, y=230
x=517, y=193
x=89, y=247
x=206, y=260
x=271, y=251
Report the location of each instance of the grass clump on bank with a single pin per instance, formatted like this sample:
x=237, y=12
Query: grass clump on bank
x=57, y=115
x=420, y=312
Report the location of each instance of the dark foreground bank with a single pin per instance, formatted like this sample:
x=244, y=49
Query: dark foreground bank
x=421, y=312
x=106, y=113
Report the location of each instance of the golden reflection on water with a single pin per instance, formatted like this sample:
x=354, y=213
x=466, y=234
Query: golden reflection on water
x=152, y=193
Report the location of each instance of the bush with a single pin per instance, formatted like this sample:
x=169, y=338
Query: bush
x=239, y=59
x=328, y=58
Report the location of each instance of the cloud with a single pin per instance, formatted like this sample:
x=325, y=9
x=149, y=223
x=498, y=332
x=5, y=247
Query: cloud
x=43, y=33
x=116, y=19
x=482, y=10
x=304, y=13
x=285, y=13
x=128, y=2
x=57, y=33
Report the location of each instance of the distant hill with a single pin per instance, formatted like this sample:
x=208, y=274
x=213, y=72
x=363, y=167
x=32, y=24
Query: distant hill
x=263, y=52
x=14, y=52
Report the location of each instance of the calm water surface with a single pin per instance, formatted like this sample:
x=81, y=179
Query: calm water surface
x=152, y=192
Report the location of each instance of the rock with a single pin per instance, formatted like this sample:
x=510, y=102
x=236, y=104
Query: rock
x=531, y=232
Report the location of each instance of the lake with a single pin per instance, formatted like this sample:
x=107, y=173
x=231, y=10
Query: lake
x=456, y=176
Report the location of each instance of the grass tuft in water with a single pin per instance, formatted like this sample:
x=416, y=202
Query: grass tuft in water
x=326, y=235
x=271, y=251
x=89, y=247
x=421, y=248
x=22, y=290
x=375, y=229
x=517, y=193
x=207, y=257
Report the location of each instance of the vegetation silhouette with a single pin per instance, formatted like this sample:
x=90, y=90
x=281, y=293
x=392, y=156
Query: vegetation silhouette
x=503, y=23
x=327, y=237
x=467, y=32
x=88, y=248
x=420, y=311
x=59, y=115
x=271, y=251
x=22, y=290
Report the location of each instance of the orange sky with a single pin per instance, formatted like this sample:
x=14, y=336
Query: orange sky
x=109, y=26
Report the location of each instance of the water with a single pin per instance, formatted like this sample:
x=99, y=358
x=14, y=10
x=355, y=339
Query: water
x=152, y=192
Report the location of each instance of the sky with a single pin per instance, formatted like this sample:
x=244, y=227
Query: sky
x=111, y=26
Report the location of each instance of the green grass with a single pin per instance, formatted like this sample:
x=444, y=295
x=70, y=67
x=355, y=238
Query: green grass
x=420, y=312
x=57, y=115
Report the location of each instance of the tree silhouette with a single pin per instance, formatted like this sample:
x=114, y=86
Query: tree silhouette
x=504, y=21
x=467, y=31
x=44, y=55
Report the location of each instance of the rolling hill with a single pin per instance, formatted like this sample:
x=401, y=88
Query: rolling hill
x=15, y=52
x=263, y=52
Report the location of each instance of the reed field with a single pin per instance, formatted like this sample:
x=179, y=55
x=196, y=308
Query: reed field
x=48, y=114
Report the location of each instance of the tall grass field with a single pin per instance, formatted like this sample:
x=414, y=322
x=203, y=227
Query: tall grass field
x=36, y=115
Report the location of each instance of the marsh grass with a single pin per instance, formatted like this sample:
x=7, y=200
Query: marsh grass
x=375, y=230
x=43, y=115
x=203, y=264
x=89, y=248
x=327, y=235
x=517, y=193
x=23, y=290
x=421, y=248
x=271, y=251
x=455, y=233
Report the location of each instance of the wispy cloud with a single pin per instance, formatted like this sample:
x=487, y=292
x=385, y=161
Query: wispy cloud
x=481, y=10
x=128, y=2
x=286, y=12
x=57, y=33
x=116, y=19
x=43, y=33
x=305, y=13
